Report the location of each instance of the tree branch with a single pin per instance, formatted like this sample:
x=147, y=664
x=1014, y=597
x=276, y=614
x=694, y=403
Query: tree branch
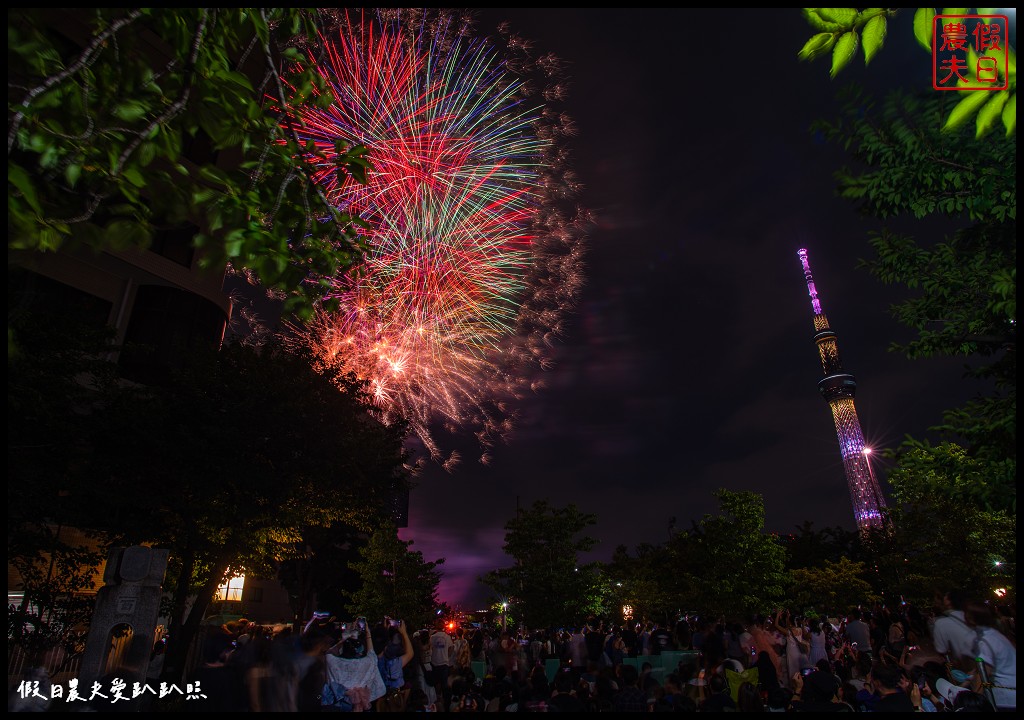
x=179, y=104
x=83, y=59
x=279, y=87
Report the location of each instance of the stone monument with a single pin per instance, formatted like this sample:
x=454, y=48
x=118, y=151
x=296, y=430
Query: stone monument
x=130, y=596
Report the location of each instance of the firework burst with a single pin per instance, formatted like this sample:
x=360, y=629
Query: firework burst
x=472, y=258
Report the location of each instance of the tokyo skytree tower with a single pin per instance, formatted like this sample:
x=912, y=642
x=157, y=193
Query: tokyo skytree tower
x=839, y=388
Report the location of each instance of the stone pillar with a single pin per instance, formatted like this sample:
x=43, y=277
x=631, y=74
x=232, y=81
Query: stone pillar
x=130, y=596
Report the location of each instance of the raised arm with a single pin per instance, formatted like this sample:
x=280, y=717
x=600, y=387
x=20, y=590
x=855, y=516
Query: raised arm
x=368, y=636
x=408, y=652
x=782, y=621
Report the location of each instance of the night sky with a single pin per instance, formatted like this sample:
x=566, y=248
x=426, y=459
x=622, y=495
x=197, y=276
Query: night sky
x=689, y=363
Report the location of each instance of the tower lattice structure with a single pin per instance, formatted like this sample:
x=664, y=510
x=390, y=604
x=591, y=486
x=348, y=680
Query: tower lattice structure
x=839, y=388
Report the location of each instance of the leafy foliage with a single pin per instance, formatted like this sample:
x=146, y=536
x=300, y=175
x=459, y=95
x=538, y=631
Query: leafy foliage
x=125, y=120
x=840, y=31
x=547, y=586
x=55, y=571
x=319, y=575
x=647, y=581
x=954, y=502
x=733, y=566
x=396, y=581
x=906, y=165
x=962, y=291
x=836, y=586
x=808, y=547
x=843, y=30
x=966, y=307
x=952, y=525
x=725, y=565
x=965, y=304
x=272, y=445
x=227, y=466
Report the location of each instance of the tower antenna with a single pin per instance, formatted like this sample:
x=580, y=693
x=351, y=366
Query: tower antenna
x=839, y=388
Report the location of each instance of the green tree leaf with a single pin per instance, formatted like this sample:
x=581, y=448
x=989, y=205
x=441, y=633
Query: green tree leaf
x=844, y=51
x=1009, y=115
x=818, y=45
x=133, y=176
x=845, y=17
x=965, y=109
x=923, y=31
x=127, y=233
x=71, y=173
x=874, y=37
x=990, y=112
x=130, y=111
x=17, y=176
x=814, y=18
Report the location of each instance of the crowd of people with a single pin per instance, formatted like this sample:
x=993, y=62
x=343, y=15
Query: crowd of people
x=962, y=657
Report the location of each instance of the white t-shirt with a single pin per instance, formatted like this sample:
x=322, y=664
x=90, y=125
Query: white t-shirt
x=356, y=672
x=953, y=637
x=441, y=648
x=997, y=651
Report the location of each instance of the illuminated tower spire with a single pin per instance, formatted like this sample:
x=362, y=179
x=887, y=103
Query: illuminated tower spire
x=839, y=388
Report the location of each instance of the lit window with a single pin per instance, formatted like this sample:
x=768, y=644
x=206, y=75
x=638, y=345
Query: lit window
x=232, y=590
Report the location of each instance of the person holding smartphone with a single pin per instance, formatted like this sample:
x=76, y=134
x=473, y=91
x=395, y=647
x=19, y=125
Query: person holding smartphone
x=353, y=680
x=816, y=689
x=395, y=652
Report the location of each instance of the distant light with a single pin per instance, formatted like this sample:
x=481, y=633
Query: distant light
x=998, y=563
x=1000, y=592
x=867, y=451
